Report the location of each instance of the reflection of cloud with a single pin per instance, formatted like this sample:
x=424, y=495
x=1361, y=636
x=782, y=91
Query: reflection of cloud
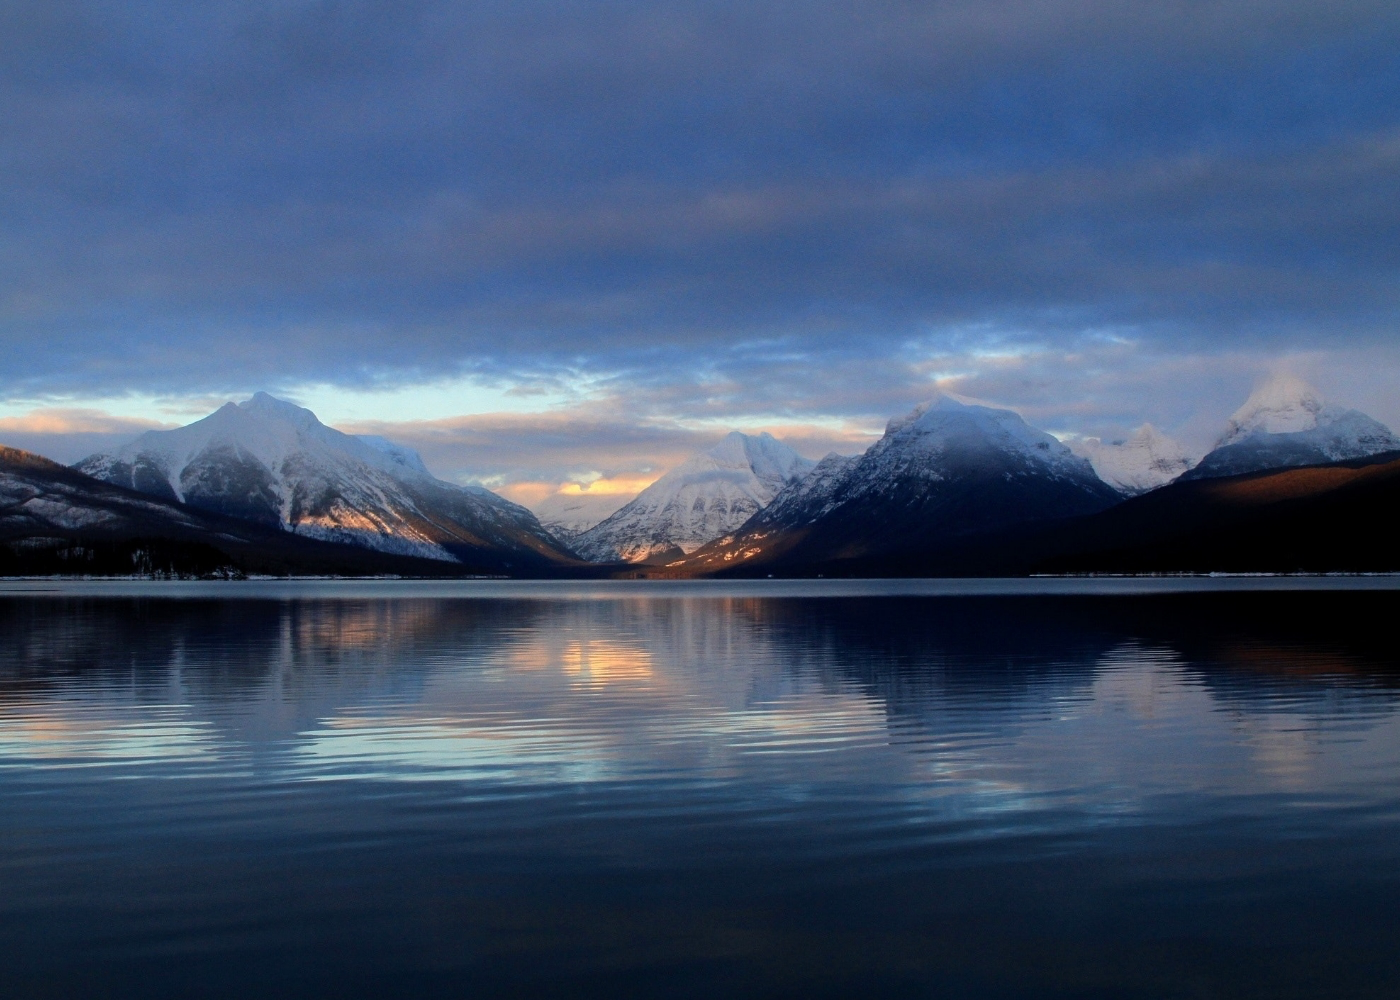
x=811, y=723
x=64, y=737
x=415, y=747
x=615, y=444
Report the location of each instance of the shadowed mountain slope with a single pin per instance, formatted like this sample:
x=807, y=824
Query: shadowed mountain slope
x=946, y=472
x=1339, y=517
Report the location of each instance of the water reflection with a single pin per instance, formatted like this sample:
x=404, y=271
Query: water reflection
x=621, y=794
x=1094, y=701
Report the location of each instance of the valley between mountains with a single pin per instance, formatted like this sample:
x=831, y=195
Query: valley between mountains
x=263, y=487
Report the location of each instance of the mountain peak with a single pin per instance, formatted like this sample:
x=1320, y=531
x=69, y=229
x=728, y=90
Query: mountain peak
x=945, y=472
x=1282, y=404
x=945, y=426
x=708, y=495
x=270, y=461
x=1284, y=423
x=1144, y=461
x=267, y=405
x=927, y=411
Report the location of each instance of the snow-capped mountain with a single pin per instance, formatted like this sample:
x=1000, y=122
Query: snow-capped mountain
x=1146, y=460
x=945, y=471
x=1284, y=423
x=272, y=462
x=568, y=515
x=709, y=495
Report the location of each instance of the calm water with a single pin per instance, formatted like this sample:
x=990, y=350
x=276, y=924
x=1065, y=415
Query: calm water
x=348, y=790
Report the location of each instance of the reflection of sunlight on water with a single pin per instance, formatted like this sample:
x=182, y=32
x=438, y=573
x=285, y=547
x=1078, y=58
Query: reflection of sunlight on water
x=600, y=663
x=588, y=663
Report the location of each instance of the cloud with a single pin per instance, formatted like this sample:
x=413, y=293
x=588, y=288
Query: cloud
x=47, y=420
x=792, y=212
x=599, y=447
x=70, y=434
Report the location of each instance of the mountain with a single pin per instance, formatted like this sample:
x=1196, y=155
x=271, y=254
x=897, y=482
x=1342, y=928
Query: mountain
x=1286, y=423
x=709, y=495
x=568, y=515
x=1337, y=517
x=1146, y=460
x=946, y=472
x=273, y=463
x=54, y=519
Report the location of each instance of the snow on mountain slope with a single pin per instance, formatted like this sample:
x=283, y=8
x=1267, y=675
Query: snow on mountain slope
x=709, y=495
x=405, y=458
x=1284, y=404
x=1146, y=460
x=815, y=493
x=568, y=515
x=272, y=462
x=946, y=470
x=802, y=502
x=38, y=496
x=1285, y=423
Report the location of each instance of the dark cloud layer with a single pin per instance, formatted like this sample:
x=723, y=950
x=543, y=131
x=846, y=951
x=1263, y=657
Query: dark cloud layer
x=225, y=196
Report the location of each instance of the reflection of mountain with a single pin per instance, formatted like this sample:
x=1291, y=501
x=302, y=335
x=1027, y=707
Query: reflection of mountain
x=255, y=669
x=570, y=690
x=909, y=649
x=914, y=653
x=1253, y=647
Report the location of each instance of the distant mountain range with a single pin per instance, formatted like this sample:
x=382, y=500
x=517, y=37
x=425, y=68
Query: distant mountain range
x=952, y=488
x=944, y=472
x=707, y=496
x=1146, y=460
x=568, y=515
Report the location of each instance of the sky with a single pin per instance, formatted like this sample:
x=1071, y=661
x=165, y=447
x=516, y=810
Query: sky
x=554, y=242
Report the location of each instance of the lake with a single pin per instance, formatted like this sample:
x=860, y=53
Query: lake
x=1057, y=788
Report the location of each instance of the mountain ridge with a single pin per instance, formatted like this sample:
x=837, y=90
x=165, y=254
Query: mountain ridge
x=944, y=470
x=274, y=463
x=55, y=520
